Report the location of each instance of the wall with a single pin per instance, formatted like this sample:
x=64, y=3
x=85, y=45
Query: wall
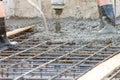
x=24, y=9
x=9, y=8
x=21, y=8
x=73, y=8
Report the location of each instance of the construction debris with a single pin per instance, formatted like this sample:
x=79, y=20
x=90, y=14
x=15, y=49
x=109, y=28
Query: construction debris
x=18, y=31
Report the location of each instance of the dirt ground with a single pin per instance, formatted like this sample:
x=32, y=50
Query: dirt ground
x=74, y=30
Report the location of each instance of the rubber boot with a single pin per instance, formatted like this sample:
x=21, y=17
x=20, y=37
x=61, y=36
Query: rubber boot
x=102, y=24
x=107, y=19
x=108, y=28
x=4, y=41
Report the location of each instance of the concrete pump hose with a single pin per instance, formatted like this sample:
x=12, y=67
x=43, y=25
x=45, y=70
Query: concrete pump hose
x=37, y=8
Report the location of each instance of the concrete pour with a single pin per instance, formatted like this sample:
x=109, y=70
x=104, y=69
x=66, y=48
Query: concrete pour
x=73, y=30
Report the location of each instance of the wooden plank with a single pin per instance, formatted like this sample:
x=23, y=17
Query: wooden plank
x=18, y=31
x=103, y=69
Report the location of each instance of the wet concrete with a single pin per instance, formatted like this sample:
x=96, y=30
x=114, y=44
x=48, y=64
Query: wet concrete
x=57, y=27
x=58, y=12
x=72, y=29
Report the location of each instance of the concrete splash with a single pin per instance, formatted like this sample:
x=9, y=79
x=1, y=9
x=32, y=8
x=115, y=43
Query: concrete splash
x=74, y=30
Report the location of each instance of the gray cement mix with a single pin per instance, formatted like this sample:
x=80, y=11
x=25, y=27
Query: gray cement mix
x=74, y=30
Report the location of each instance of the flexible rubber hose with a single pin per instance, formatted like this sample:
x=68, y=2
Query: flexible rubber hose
x=37, y=8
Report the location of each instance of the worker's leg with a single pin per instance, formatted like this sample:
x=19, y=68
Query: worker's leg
x=108, y=20
x=2, y=23
x=108, y=28
x=2, y=27
x=109, y=13
x=101, y=14
x=4, y=41
x=2, y=30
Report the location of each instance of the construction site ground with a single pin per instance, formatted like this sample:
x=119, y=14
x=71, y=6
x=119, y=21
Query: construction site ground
x=66, y=55
x=72, y=29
